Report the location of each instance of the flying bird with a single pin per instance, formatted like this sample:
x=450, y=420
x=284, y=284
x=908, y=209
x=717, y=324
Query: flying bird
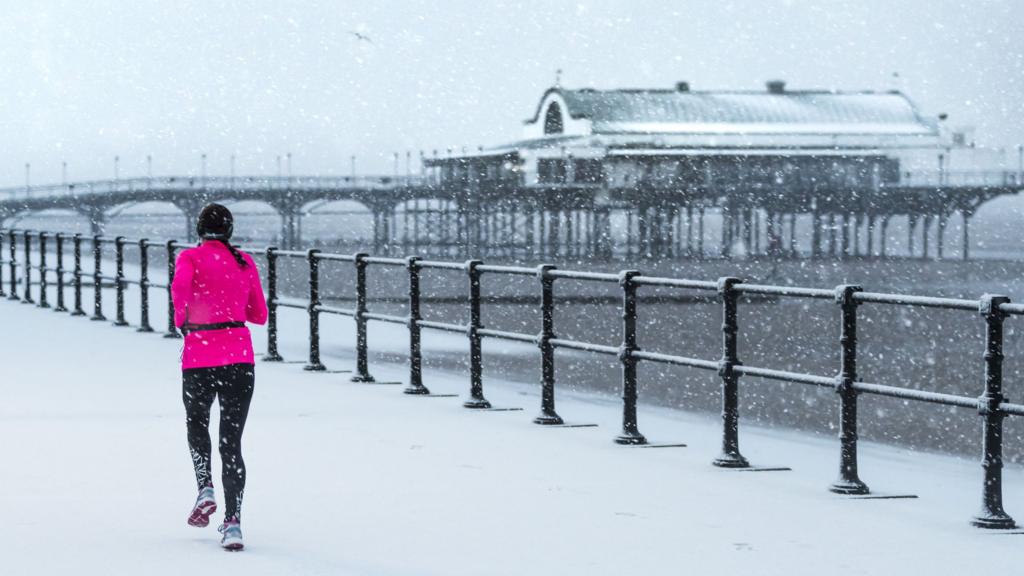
x=360, y=37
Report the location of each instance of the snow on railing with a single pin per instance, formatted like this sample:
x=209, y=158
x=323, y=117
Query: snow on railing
x=993, y=310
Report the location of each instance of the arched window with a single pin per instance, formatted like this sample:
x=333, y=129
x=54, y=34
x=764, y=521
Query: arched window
x=553, y=119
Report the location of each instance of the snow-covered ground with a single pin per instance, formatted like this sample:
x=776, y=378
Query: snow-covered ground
x=363, y=480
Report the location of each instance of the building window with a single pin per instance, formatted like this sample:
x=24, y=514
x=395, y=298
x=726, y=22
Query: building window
x=553, y=119
x=551, y=171
x=588, y=171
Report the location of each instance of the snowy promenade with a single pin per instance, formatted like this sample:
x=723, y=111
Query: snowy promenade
x=349, y=479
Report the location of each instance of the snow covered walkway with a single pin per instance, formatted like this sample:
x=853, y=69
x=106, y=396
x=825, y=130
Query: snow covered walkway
x=356, y=479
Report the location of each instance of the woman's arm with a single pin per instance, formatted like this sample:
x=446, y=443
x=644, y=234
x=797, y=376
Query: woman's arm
x=181, y=287
x=256, y=308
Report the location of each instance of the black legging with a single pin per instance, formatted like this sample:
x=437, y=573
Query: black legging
x=233, y=384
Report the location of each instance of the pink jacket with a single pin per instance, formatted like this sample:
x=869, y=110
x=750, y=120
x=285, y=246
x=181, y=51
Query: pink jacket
x=210, y=287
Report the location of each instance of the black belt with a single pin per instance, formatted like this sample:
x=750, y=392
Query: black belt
x=190, y=328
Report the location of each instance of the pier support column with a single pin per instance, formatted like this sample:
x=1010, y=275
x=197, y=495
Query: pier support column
x=871, y=236
x=700, y=233
x=911, y=229
x=967, y=213
x=884, y=239
x=832, y=235
x=858, y=223
x=747, y=233
x=926, y=225
x=940, y=238
x=726, y=248
x=689, y=231
x=793, y=235
x=844, y=224
x=815, y=234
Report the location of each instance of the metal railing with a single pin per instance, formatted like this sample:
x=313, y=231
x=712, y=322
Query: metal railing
x=991, y=406
x=211, y=184
x=954, y=178
x=215, y=184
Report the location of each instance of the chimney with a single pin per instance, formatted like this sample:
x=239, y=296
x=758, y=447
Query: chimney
x=776, y=86
x=682, y=86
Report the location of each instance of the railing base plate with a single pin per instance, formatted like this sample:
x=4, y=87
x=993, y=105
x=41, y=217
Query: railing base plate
x=761, y=469
x=660, y=445
x=879, y=496
x=994, y=522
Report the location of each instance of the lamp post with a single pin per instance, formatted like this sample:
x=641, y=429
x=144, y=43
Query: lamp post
x=232, y=169
x=117, y=168
x=149, y=166
x=202, y=172
x=63, y=173
x=352, y=160
x=396, y=165
x=288, y=156
x=28, y=177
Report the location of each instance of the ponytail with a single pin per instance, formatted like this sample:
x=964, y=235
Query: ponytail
x=242, y=263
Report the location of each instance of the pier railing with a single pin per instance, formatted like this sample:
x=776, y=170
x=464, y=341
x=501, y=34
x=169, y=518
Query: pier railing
x=221, y=184
x=53, y=263
x=211, y=184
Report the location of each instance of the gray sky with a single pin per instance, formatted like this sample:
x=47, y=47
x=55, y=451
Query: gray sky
x=83, y=81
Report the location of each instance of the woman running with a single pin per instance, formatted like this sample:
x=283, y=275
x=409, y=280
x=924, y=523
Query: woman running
x=216, y=290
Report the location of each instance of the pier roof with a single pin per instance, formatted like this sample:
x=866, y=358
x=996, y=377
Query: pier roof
x=775, y=111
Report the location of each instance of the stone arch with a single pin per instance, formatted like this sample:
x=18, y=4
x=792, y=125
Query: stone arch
x=51, y=220
x=338, y=224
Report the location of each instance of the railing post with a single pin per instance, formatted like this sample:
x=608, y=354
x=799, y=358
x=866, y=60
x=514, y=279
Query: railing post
x=730, y=456
x=362, y=372
x=313, y=309
x=272, y=354
x=144, y=286
x=992, y=514
x=630, y=433
x=547, y=415
x=415, y=349
x=172, y=330
x=27, y=298
x=119, y=280
x=848, y=482
x=77, y=242
x=12, y=264
x=476, y=384
x=60, y=273
x=42, y=271
x=97, y=278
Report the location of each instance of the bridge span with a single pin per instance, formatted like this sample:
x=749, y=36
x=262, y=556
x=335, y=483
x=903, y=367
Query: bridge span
x=472, y=214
